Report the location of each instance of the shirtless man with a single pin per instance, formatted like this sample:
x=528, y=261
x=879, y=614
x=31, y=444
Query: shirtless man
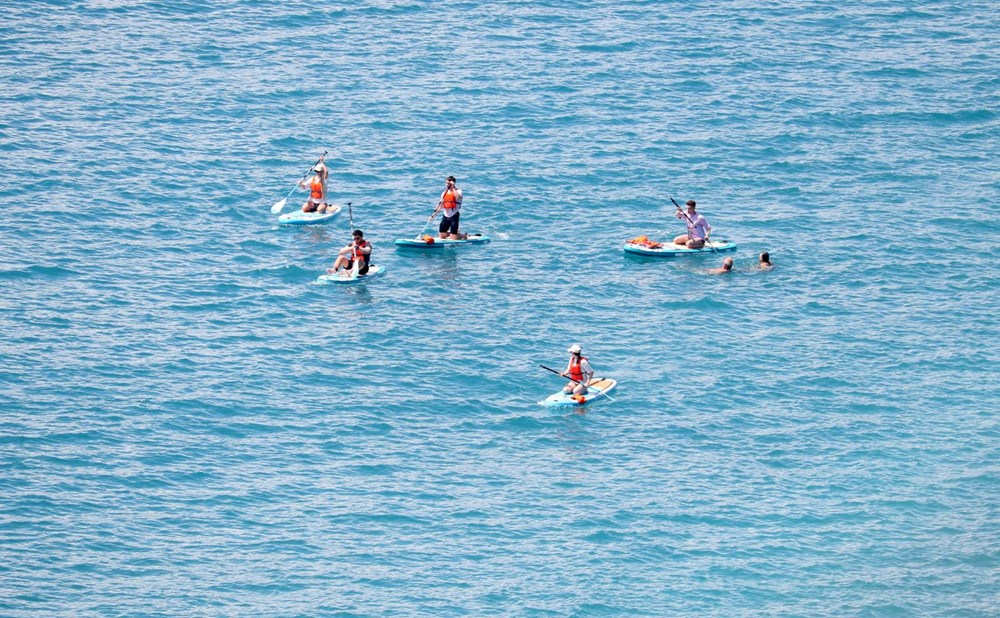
x=727, y=266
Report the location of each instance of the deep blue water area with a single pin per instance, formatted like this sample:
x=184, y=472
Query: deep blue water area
x=189, y=426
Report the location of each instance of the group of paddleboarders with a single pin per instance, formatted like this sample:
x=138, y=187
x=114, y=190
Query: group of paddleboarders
x=357, y=255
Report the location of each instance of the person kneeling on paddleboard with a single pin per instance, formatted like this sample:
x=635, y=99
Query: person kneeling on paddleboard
x=317, y=189
x=359, y=252
x=451, y=205
x=698, y=228
x=579, y=370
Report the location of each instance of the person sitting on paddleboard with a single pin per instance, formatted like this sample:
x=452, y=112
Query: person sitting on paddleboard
x=360, y=250
x=727, y=266
x=579, y=370
x=698, y=228
x=450, y=203
x=317, y=189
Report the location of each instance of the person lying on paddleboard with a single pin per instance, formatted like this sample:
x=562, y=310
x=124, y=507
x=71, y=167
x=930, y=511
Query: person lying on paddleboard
x=360, y=251
x=727, y=266
x=698, y=228
x=579, y=370
x=450, y=203
x=317, y=189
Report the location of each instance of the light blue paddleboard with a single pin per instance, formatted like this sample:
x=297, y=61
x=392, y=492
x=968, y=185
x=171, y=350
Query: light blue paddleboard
x=440, y=243
x=594, y=390
x=669, y=249
x=298, y=217
x=346, y=276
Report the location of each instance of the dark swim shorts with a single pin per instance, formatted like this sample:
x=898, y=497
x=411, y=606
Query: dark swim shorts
x=361, y=271
x=449, y=224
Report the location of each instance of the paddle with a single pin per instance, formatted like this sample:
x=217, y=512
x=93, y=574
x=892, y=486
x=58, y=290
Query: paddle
x=281, y=204
x=707, y=241
x=559, y=373
x=356, y=271
x=429, y=219
x=354, y=260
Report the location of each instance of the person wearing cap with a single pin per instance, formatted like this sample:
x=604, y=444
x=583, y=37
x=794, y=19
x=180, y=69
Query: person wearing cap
x=450, y=204
x=359, y=252
x=578, y=370
x=698, y=228
x=727, y=266
x=317, y=189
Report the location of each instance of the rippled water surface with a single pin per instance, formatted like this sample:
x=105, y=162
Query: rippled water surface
x=190, y=427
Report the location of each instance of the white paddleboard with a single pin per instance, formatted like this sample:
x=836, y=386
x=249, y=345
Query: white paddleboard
x=594, y=390
x=669, y=249
x=348, y=276
x=297, y=217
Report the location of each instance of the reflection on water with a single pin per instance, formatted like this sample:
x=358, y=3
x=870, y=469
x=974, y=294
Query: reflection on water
x=438, y=263
x=317, y=234
x=360, y=293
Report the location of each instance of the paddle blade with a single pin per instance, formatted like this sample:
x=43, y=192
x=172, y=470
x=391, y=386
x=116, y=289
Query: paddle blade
x=279, y=205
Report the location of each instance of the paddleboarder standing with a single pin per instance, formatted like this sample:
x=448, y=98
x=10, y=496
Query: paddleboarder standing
x=698, y=227
x=450, y=204
x=578, y=370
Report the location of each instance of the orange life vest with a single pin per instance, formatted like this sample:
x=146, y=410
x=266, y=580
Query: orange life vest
x=645, y=242
x=449, y=200
x=575, y=373
x=357, y=250
x=316, y=186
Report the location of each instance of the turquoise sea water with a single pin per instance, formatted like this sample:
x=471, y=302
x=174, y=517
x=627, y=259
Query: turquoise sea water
x=189, y=427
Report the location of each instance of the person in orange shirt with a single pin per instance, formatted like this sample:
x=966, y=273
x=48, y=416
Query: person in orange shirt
x=317, y=190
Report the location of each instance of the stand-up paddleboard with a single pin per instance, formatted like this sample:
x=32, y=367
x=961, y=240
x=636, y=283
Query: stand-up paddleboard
x=669, y=249
x=594, y=390
x=298, y=217
x=432, y=242
x=348, y=276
